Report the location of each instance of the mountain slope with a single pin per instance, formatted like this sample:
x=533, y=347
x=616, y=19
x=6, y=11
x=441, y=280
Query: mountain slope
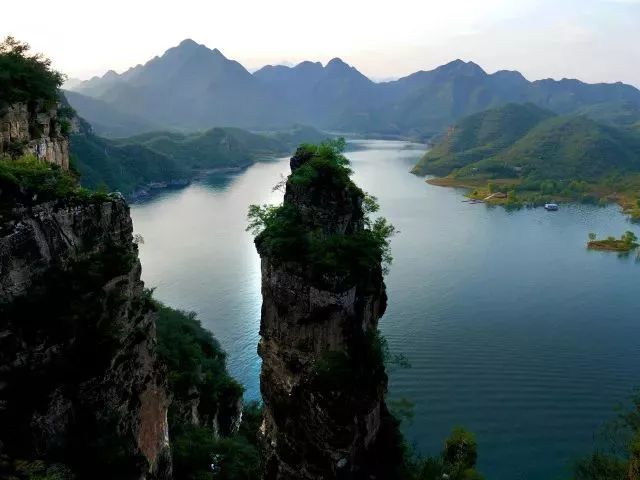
x=527, y=142
x=105, y=119
x=193, y=87
x=480, y=136
x=130, y=164
x=569, y=148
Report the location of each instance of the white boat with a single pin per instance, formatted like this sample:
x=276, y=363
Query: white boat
x=552, y=207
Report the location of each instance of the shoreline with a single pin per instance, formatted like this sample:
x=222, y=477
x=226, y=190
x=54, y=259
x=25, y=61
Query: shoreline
x=151, y=189
x=477, y=192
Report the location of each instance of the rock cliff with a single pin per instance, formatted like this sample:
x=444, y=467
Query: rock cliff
x=34, y=128
x=323, y=379
x=80, y=383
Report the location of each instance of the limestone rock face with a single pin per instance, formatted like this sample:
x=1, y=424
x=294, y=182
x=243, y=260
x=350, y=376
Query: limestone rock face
x=80, y=383
x=36, y=130
x=323, y=388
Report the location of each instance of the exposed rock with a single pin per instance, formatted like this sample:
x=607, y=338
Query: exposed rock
x=80, y=383
x=322, y=383
x=35, y=129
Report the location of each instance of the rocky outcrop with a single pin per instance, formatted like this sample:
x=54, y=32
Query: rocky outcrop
x=34, y=128
x=323, y=380
x=80, y=383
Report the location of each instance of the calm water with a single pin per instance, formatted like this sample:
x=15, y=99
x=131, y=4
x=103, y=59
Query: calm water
x=512, y=328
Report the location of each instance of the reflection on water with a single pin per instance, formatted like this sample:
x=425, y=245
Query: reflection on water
x=511, y=326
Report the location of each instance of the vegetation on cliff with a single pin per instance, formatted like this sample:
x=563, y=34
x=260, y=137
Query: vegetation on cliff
x=26, y=77
x=198, y=376
x=617, y=456
x=457, y=461
x=195, y=361
x=27, y=180
x=281, y=233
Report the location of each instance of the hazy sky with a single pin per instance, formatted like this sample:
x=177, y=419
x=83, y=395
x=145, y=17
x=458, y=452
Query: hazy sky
x=594, y=40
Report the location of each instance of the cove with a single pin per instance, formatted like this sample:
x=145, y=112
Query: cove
x=512, y=327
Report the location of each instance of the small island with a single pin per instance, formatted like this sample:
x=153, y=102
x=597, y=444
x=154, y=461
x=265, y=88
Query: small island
x=627, y=242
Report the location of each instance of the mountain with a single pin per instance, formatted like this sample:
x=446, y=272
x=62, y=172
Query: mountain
x=131, y=164
x=618, y=114
x=571, y=147
x=193, y=87
x=528, y=142
x=189, y=87
x=107, y=120
x=321, y=95
x=481, y=135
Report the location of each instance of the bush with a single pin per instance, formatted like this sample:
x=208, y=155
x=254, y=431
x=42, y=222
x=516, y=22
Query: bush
x=26, y=77
x=281, y=233
x=194, y=358
x=456, y=462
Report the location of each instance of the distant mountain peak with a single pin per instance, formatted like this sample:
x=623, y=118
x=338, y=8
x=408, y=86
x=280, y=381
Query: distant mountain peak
x=461, y=67
x=188, y=43
x=336, y=62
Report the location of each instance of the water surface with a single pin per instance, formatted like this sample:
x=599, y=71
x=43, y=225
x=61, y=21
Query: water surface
x=513, y=329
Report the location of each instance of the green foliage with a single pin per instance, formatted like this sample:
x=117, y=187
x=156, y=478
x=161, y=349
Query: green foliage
x=29, y=179
x=402, y=409
x=193, y=357
x=479, y=136
x=121, y=167
x=627, y=241
x=619, y=457
x=326, y=168
x=198, y=455
x=456, y=462
x=34, y=175
x=598, y=466
x=34, y=470
x=24, y=76
x=280, y=230
x=552, y=155
x=127, y=164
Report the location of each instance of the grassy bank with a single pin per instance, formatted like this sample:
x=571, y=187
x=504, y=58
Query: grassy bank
x=517, y=193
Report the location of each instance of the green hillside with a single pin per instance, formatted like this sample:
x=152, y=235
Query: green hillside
x=131, y=163
x=480, y=136
x=525, y=155
x=222, y=147
x=524, y=141
x=617, y=114
x=124, y=168
x=564, y=148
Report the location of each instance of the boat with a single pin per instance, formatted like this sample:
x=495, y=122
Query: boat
x=551, y=207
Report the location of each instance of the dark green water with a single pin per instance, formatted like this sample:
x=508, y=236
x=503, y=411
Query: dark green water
x=512, y=328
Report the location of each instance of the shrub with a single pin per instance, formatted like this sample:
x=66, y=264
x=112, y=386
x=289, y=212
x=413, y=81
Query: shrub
x=26, y=77
x=280, y=232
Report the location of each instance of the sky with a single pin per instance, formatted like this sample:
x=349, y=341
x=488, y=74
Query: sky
x=593, y=40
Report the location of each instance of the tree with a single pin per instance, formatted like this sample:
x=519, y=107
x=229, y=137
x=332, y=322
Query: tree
x=460, y=450
x=592, y=236
x=629, y=237
x=25, y=76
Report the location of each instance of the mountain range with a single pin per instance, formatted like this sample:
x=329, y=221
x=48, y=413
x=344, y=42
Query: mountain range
x=191, y=87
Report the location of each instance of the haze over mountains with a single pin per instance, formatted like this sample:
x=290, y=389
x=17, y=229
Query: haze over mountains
x=191, y=87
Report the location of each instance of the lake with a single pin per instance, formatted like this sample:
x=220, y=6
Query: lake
x=512, y=328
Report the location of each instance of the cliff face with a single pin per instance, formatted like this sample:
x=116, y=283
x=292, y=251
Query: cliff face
x=35, y=129
x=323, y=380
x=79, y=380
